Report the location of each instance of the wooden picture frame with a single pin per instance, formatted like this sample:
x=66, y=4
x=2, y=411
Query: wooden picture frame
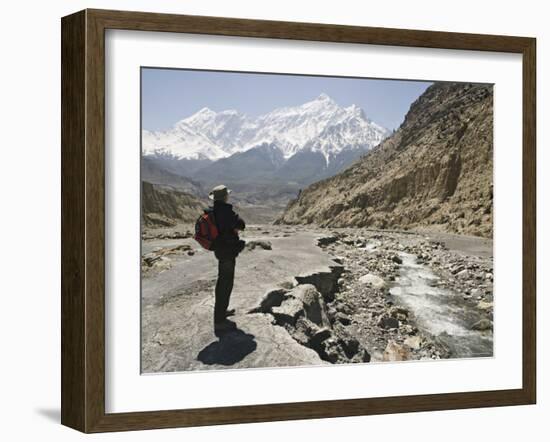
x=83, y=220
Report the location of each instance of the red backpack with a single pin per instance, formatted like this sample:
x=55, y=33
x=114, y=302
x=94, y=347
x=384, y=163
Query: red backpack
x=206, y=230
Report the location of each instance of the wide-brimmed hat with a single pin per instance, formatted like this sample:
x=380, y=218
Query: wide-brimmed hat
x=218, y=193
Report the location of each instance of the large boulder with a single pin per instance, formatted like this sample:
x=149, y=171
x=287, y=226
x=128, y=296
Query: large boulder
x=288, y=312
x=303, y=313
x=373, y=280
x=313, y=304
x=303, y=300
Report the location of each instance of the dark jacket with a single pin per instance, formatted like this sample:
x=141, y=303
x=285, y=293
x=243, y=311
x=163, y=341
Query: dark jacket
x=229, y=223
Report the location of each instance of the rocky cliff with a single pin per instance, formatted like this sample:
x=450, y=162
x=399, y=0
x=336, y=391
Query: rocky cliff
x=435, y=171
x=165, y=206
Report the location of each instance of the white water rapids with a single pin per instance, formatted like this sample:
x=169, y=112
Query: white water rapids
x=440, y=312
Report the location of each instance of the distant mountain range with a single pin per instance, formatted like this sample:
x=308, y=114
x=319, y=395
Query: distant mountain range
x=282, y=150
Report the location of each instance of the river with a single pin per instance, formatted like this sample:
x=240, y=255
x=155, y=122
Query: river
x=439, y=311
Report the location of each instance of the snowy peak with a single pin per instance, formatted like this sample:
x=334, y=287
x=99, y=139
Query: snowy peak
x=180, y=142
x=317, y=125
x=201, y=118
x=206, y=112
x=355, y=111
x=323, y=104
x=324, y=100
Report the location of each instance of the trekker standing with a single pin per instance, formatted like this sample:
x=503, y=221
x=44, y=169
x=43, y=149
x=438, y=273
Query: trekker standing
x=227, y=246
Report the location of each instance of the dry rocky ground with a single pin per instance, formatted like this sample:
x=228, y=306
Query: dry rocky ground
x=407, y=296
x=311, y=296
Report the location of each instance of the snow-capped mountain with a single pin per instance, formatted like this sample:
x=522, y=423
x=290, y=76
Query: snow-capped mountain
x=319, y=126
x=182, y=141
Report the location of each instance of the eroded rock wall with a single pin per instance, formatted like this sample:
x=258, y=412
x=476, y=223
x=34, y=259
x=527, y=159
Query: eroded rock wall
x=165, y=206
x=436, y=171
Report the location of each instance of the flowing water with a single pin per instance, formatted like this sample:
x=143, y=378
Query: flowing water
x=441, y=312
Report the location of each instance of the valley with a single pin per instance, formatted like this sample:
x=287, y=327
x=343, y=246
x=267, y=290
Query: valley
x=362, y=245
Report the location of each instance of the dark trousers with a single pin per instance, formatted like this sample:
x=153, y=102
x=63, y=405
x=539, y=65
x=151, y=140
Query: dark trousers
x=224, y=286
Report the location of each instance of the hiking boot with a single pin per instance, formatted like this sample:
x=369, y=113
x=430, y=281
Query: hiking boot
x=224, y=327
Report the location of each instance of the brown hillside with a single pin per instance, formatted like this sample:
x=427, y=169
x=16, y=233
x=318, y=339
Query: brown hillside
x=165, y=206
x=436, y=171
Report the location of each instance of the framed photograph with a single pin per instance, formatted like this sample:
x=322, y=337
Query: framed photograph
x=270, y=220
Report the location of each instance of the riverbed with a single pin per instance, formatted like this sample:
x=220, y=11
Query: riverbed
x=439, y=311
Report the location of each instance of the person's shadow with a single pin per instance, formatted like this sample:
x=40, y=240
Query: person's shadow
x=232, y=347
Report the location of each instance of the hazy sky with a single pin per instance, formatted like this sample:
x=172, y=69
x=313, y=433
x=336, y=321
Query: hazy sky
x=169, y=95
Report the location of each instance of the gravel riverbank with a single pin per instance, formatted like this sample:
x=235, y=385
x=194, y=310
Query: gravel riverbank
x=407, y=296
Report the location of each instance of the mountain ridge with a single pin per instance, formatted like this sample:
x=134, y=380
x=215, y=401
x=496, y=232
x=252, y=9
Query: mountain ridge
x=214, y=135
x=435, y=171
